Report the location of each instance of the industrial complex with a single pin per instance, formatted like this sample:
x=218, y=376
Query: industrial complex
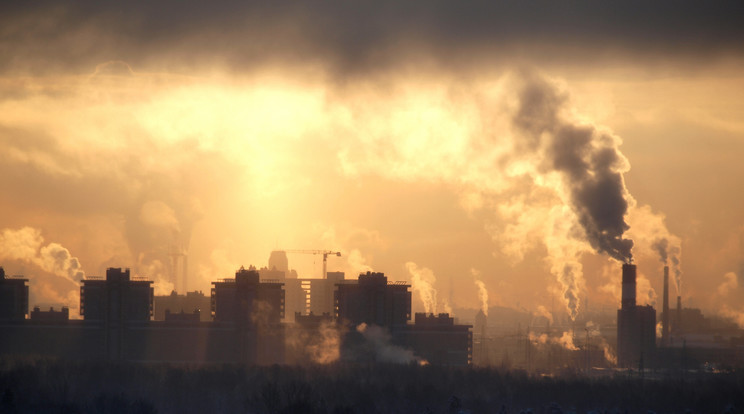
x=269, y=316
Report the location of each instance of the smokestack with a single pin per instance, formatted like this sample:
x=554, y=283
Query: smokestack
x=629, y=286
x=678, y=322
x=185, y=273
x=665, y=310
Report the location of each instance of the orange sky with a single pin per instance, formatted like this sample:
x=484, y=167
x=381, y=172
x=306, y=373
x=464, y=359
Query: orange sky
x=406, y=148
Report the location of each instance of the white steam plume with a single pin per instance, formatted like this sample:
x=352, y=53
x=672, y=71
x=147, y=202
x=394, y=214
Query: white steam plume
x=564, y=341
x=327, y=349
x=650, y=233
x=609, y=353
x=379, y=339
x=482, y=296
x=644, y=286
x=735, y=315
x=730, y=284
x=319, y=346
x=552, y=177
x=156, y=271
x=27, y=245
x=422, y=282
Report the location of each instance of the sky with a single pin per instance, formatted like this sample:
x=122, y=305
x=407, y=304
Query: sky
x=529, y=147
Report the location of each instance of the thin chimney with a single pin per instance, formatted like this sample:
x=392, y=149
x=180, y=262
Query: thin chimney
x=678, y=322
x=629, y=286
x=665, y=310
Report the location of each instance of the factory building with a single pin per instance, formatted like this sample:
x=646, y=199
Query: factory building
x=636, y=326
x=13, y=297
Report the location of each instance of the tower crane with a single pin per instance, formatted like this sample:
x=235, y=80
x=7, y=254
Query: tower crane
x=325, y=254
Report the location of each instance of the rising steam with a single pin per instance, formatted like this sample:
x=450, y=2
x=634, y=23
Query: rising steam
x=731, y=282
x=27, y=245
x=482, y=296
x=564, y=341
x=650, y=232
x=422, y=282
x=378, y=340
x=552, y=178
x=543, y=311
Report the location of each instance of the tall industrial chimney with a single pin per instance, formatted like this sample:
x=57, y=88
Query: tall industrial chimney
x=629, y=286
x=665, y=310
x=678, y=322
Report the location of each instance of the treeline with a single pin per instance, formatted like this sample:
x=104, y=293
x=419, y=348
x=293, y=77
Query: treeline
x=46, y=386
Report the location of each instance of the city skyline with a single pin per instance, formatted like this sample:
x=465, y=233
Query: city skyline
x=394, y=135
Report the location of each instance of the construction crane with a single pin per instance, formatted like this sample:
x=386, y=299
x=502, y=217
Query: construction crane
x=325, y=254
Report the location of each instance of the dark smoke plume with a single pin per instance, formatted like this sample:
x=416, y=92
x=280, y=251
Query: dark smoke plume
x=661, y=246
x=589, y=162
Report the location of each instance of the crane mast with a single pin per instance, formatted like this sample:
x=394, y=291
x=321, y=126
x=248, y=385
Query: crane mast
x=325, y=254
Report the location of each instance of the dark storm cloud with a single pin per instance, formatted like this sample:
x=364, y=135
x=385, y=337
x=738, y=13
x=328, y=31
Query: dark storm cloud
x=360, y=36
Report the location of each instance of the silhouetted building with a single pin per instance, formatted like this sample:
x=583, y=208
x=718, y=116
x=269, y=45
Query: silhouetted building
x=116, y=298
x=373, y=300
x=13, y=297
x=438, y=340
x=636, y=326
x=481, y=323
x=313, y=321
x=189, y=302
x=272, y=275
x=278, y=261
x=255, y=310
x=322, y=292
x=116, y=302
x=295, y=297
x=247, y=300
x=51, y=315
x=182, y=317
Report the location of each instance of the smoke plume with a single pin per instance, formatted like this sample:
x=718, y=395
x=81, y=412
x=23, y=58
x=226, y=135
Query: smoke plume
x=321, y=347
x=379, y=340
x=327, y=348
x=730, y=283
x=609, y=353
x=735, y=315
x=644, y=286
x=422, y=282
x=577, y=166
x=482, y=295
x=156, y=271
x=542, y=311
x=26, y=245
x=650, y=232
x=564, y=341
x=587, y=160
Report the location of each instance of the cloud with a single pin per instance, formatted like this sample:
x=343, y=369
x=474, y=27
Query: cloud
x=354, y=38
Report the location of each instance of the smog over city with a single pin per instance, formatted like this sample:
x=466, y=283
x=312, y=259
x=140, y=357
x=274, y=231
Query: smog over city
x=402, y=191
